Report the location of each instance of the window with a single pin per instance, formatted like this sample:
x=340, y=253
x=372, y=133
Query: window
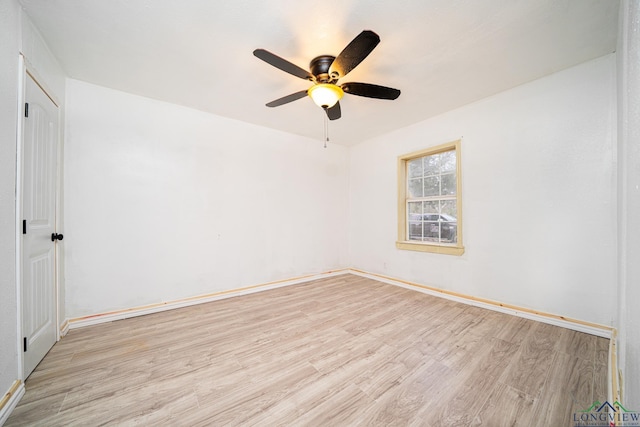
x=429, y=200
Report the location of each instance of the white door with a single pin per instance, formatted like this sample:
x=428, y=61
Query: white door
x=39, y=155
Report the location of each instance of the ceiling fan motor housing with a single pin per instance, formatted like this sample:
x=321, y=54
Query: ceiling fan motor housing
x=319, y=67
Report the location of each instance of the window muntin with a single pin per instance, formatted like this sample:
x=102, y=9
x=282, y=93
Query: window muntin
x=429, y=200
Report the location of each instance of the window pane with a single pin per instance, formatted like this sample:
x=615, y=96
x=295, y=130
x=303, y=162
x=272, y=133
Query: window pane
x=415, y=230
x=432, y=207
x=415, y=187
x=431, y=231
x=448, y=232
x=432, y=186
x=414, y=168
x=432, y=165
x=449, y=184
x=448, y=161
x=415, y=208
x=450, y=208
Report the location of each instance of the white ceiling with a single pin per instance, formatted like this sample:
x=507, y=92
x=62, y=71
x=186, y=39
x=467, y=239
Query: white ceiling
x=442, y=54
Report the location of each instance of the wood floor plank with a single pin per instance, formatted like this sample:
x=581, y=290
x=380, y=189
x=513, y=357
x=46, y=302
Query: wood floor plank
x=411, y=402
x=36, y=411
x=262, y=391
x=514, y=329
x=506, y=407
x=600, y=389
x=602, y=351
x=474, y=383
x=578, y=344
x=529, y=369
x=344, y=350
x=568, y=388
x=342, y=408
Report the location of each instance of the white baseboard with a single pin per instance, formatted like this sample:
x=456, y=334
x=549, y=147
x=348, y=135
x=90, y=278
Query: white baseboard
x=552, y=319
x=10, y=400
x=64, y=329
x=95, y=319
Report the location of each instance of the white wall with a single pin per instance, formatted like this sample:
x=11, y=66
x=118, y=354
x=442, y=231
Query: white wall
x=9, y=47
x=41, y=63
x=629, y=198
x=539, y=197
x=164, y=202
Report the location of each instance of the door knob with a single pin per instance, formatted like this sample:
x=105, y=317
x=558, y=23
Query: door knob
x=56, y=236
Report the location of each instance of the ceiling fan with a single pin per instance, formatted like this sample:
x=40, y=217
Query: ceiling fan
x=326, y=70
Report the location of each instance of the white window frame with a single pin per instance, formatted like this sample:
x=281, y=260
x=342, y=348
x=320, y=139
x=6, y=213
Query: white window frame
x=403, y=238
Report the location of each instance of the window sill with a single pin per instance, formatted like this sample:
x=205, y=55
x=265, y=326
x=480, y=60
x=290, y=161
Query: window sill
x=426, y=247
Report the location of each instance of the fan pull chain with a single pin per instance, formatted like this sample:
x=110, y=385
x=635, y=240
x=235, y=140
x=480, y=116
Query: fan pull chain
x=326, y=128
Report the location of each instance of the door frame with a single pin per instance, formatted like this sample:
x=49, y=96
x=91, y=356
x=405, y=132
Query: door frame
x=25, y=71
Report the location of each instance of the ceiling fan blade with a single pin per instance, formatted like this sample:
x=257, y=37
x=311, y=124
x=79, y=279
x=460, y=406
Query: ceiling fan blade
x=287, y=99
x=282, y=64
x=370, y=91
x=354, y=53
x=334, y=113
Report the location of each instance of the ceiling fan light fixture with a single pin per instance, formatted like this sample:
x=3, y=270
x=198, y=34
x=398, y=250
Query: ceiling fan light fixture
x=325, y=95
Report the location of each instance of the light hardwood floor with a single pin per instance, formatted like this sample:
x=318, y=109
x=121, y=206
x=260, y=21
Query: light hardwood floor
x=339, y=351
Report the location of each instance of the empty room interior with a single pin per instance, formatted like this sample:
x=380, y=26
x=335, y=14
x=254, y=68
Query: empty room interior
x=419, y=213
